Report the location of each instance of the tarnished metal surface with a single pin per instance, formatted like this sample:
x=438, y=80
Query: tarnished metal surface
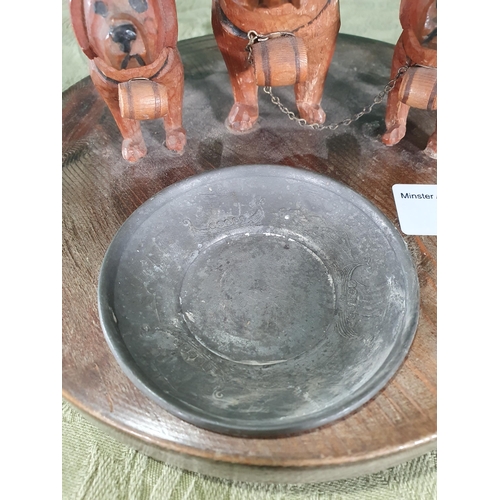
x=259, y=300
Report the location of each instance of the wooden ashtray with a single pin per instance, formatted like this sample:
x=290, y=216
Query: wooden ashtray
x=100, y=190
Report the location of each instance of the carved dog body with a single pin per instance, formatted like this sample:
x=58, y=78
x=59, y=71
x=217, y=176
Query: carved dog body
x=127, y=40
x=316, y=22
x=417, y=45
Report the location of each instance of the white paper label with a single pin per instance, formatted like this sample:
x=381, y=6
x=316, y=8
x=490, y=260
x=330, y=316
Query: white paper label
x=416, y=205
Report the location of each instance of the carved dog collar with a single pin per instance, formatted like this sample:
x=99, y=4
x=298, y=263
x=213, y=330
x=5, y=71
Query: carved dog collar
x=149, y=71
x=235, y=30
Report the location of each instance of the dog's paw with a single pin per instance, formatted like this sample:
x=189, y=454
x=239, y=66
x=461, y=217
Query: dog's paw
x=394, y=134
x=432, y=146
x=176, y=140
x=242, y=117
x=133, y=149
x=311, y=113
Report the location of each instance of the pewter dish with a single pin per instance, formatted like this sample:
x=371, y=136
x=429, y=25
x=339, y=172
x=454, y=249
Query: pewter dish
x=258, y=300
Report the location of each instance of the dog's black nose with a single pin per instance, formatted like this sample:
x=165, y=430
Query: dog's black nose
x=123, y=34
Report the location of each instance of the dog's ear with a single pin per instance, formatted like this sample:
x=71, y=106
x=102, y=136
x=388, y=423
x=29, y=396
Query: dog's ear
x=166, y=10
x=78, y=22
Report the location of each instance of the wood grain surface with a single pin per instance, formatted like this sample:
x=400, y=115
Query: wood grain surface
x=100, y=190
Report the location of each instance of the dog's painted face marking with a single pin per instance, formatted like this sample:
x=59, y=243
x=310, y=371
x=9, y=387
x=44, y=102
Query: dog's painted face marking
x=139, y=5
x=100, y=9
x=124, y=35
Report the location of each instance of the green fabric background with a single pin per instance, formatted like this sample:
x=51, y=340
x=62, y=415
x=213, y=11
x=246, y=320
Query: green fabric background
x=95, y=466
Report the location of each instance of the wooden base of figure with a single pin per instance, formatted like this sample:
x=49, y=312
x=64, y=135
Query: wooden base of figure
x=315, y=22
x=98, y=194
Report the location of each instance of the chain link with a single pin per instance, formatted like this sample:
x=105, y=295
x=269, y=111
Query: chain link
x=316, y=126
x=254, y=37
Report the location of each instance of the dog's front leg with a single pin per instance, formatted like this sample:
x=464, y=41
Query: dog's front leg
x=396, y=111
x=133, y=145
x=432, y=145
x=320, y=49
x=308, y=97
x=245, y=110
x=173, y=79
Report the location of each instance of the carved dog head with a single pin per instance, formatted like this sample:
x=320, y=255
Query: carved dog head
x=124, y=33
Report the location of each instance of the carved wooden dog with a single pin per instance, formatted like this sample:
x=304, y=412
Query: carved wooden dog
x=314, y=23
x=417, y=46
x=134, y=65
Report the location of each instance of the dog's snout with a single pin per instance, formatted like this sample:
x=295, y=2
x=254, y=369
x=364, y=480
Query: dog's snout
x=124, y=35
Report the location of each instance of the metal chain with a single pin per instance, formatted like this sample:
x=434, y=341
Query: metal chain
x=254, y=37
